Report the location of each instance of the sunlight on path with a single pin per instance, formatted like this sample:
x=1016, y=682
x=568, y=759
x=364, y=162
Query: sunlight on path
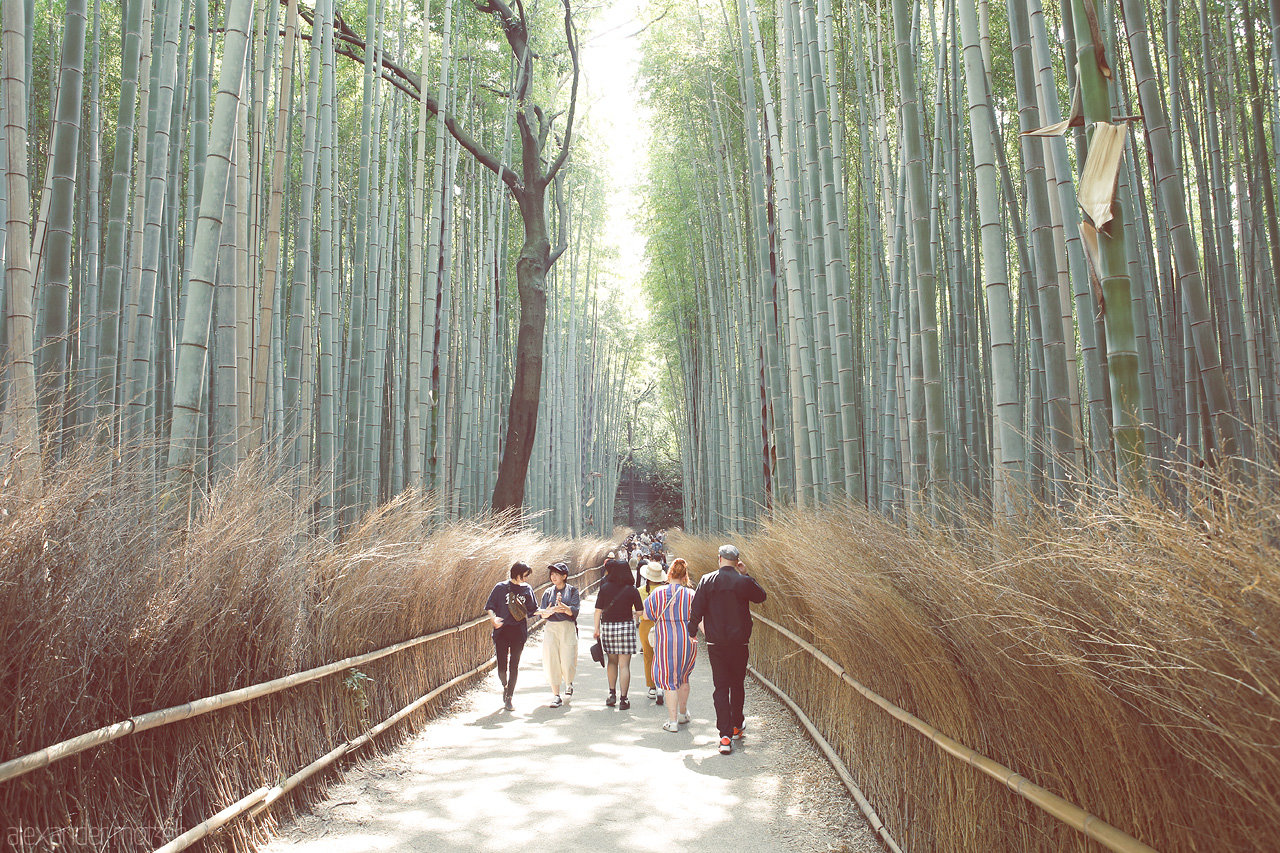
x=587, y=777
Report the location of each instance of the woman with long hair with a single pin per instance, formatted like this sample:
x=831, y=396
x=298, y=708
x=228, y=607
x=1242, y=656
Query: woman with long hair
x=617, y=605
x=675, y=652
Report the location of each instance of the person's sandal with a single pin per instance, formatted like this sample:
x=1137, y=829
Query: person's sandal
x=671, y=726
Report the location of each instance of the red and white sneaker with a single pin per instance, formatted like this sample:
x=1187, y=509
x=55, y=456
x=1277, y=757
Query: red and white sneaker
x=726, y=746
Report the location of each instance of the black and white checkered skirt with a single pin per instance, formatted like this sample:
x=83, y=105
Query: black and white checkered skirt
x=619, y=638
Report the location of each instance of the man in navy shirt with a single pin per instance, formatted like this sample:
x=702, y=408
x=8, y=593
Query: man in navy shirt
x=722, y=605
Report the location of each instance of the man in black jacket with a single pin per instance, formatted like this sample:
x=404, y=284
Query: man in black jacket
x=722, y=605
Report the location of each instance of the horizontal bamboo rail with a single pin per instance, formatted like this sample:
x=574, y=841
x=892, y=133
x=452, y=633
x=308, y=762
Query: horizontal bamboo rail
x=1069, y=813
x=262, y=799
x=154, y=719
x=836, y=762
x=221, y=819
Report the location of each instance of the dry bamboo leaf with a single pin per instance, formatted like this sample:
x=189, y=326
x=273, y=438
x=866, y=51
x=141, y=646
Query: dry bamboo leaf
x=1097, y=188
x=1091, y=255
x=1074, y=119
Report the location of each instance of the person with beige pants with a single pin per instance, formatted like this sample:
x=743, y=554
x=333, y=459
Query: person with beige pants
x=560, y=605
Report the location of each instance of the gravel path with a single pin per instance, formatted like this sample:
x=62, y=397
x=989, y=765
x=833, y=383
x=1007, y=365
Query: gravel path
x=588, y=777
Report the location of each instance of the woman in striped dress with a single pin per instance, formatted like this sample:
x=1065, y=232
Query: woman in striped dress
x=674, y=650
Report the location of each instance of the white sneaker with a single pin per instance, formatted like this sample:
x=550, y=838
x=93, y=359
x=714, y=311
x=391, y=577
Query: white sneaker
x=669, y=726
x=682, y=718
x=653, y=693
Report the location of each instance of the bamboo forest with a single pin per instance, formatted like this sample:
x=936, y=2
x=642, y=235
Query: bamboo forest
x=961, y=317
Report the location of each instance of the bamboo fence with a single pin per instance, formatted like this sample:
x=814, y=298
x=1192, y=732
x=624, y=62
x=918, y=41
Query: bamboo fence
x=263, y=797
x=1067, y=812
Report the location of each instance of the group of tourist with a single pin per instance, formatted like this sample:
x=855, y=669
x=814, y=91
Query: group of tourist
x=643, y=606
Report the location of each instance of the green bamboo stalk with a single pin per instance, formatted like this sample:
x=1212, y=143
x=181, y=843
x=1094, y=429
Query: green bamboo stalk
x=300, y=329
x=1122, y=355
x=117, y=225
x=923, y=266
x=1058, y=397
x=20, y=410
x=1169, y=181
x=271, y=254
x=57, y=252
x=193, y=349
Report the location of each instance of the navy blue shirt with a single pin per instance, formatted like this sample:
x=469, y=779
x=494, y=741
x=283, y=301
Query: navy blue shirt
x=723, y=605
x=499, y=602
x=569, y=597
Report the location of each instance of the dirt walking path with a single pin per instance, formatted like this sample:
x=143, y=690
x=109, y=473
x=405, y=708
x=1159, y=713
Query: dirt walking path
x=588, y=777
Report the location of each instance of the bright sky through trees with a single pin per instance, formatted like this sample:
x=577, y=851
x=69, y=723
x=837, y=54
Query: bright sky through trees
x=620, y=127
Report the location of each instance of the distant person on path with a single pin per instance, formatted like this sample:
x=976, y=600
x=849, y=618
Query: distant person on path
x=560, y=605
x=674, y=650
x=654, y=578
x=509, y=606
x=617, y=604
x=722, y=605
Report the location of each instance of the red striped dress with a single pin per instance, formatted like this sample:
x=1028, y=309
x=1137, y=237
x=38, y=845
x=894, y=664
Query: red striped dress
x=674, y=651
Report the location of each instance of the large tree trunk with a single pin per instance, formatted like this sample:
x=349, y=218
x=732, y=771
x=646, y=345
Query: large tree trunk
x=526, y=387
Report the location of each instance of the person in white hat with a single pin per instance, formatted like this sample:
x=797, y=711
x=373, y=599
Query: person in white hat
x=652, y=578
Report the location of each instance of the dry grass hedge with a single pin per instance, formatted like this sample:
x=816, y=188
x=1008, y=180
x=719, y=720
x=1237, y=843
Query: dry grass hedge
x=104, y=614
x=1127, y=659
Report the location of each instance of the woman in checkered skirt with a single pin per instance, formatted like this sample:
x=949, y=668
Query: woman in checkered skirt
x=617, y=605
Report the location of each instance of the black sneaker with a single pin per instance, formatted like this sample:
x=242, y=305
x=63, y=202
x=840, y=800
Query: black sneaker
x=624, y=703
x=613, y=698
x=659, y=700
x=556, y=702
x=568, y=690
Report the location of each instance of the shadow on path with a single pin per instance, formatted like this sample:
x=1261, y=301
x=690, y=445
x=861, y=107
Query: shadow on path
x=586, y=777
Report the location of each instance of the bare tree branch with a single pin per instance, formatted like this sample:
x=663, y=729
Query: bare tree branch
x=563, y=217
x=571, y=38
x=411, y=84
